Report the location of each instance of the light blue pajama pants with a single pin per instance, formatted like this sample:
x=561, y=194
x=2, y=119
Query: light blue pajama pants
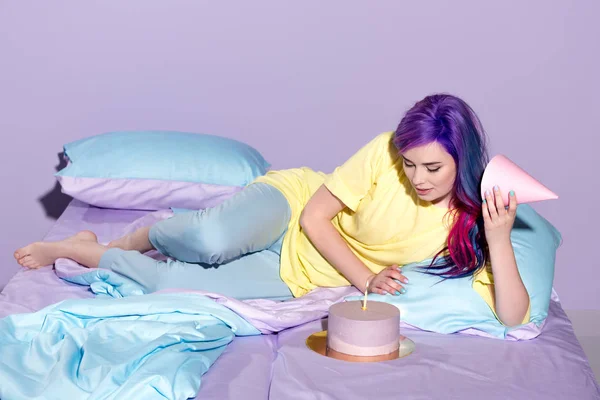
x=232, y=249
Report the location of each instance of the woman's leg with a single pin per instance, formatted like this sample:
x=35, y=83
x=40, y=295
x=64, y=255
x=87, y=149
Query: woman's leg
x=137, y=241
x=252, y=220
x=252, y=276
x=82, y=247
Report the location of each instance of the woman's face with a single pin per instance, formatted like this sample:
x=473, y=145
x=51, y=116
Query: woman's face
x=431, y=171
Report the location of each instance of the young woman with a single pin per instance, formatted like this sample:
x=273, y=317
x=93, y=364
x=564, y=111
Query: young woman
x=406, y=196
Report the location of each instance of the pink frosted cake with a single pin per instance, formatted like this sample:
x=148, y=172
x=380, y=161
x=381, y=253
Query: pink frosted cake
x=373, y=332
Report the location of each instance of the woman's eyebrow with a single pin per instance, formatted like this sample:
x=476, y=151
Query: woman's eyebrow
x=427, y=163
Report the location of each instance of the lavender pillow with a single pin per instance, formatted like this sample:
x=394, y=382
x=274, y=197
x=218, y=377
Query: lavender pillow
x=152, y=170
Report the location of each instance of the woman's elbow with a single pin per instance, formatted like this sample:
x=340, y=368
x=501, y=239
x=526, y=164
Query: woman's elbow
x=308, y=220
x=305, y=220
x=511, y=321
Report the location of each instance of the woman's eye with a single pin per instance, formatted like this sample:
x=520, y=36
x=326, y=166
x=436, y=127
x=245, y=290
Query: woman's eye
x=428, y=169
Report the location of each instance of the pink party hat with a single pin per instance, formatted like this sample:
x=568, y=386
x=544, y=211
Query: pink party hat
x=509, y=176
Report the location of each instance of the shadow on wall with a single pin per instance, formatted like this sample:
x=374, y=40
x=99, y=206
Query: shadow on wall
x=55, y=202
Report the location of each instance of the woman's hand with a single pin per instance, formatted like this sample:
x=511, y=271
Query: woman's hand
x=386, y=281
x=511, y=296
x=498, y=221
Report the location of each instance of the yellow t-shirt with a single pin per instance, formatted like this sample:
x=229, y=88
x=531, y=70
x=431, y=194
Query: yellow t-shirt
x=385, y=222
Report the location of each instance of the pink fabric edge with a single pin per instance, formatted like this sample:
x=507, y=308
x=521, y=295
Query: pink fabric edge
x=145, y=194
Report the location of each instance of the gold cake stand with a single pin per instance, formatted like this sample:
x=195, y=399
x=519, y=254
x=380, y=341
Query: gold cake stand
x=317, y=342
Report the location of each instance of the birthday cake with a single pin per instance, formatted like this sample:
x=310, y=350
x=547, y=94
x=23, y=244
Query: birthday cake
x=374, y=331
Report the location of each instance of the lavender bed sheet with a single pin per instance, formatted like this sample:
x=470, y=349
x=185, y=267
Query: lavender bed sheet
x=552, y=366
x=242, y=372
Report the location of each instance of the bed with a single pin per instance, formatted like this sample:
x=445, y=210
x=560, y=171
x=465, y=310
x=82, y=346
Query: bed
x=280, y=366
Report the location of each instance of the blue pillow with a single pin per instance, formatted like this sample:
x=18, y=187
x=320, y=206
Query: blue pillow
x=158, y=169
x=453, y=305
x=535, y=241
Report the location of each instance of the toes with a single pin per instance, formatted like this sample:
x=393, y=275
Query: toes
x=22, y=252
x=29, y=262
x=25, y=260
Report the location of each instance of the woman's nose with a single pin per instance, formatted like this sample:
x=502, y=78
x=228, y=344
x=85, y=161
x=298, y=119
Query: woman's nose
x=417, y=178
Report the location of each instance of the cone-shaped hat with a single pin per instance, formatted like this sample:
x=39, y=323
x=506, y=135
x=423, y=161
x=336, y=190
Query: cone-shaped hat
x=509, y=176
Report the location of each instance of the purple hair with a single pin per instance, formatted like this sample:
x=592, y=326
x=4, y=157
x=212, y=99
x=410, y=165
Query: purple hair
x=449, y=121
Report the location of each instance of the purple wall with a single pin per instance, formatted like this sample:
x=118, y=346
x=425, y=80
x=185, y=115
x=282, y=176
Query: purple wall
x=307, y=84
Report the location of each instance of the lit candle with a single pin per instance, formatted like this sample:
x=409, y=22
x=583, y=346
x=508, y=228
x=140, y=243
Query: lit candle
x=364, y=306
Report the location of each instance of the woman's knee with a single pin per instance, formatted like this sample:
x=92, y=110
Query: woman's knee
x=250, y=221
x=194, y=237
x=212, y=244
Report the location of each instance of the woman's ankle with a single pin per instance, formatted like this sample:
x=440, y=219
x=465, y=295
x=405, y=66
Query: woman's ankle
x=137, y=241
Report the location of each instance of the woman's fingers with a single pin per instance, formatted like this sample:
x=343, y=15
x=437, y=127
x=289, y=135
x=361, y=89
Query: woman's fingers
x=395, y=273
x=379, y=290
x=485, y=210
x=512, y=203
x=397, y=288
x=491, y=205
x=389, y=286
x=499, y=201
x=389, y=281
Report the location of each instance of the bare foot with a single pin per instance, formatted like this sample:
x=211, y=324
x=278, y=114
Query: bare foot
x=40, y=254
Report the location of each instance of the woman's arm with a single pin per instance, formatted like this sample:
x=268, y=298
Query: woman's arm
x=315, y=220
x=511, y=297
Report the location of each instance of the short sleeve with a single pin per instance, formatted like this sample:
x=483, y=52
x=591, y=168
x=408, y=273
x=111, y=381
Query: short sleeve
x=351, y=181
